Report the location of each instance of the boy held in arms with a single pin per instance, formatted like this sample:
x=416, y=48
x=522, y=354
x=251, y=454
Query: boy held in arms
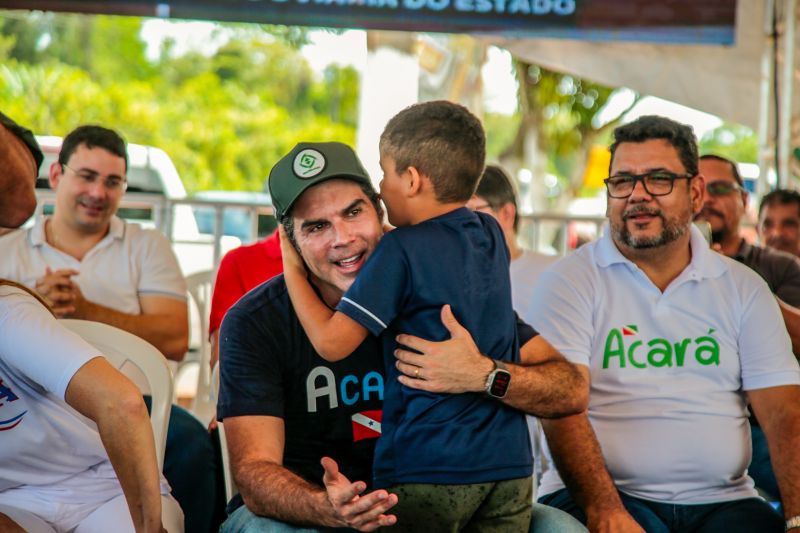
x=455, y=461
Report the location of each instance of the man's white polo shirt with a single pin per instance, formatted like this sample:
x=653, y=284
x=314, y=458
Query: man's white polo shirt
x=127, y=263
x=668, y=369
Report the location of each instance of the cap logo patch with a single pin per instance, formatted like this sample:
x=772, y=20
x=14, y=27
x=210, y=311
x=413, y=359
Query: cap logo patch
x=308, y=163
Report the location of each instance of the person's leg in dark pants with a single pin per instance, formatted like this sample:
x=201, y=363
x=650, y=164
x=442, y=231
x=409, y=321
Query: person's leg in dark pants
x=741, y=516
x=639, y=509
x=190, y=466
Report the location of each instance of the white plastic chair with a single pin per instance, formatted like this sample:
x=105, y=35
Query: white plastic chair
x=123, y=349
x=200, y=286
x=230, y=485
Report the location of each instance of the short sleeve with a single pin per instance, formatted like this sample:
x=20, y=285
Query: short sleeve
x=765, y=350
x=35, y=344
x=251, y=377
x=381, y=288
x=228, y=288
x=561, y=312
x=525, y=331
x=161, y=274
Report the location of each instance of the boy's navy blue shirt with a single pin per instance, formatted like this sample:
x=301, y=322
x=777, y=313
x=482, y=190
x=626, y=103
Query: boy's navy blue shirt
x=269, y=368
x=459, y=258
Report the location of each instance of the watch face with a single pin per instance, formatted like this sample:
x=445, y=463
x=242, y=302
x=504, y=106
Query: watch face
x=500, y=383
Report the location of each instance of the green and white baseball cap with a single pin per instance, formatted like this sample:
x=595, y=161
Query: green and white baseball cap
x=309, y=164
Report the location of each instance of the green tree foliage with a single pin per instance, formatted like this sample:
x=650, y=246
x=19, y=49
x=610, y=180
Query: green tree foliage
x=223, y=119
x=560, y=121
x=500, y=133
x=733, y=141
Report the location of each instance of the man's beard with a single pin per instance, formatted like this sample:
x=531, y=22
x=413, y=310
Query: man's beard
x=671, y=229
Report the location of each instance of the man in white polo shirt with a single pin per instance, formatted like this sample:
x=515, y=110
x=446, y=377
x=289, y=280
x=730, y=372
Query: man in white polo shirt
x=57, y=398
x=88, y=263
x=676, y=339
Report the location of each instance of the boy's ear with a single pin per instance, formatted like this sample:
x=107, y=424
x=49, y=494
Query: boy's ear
x=414, y=183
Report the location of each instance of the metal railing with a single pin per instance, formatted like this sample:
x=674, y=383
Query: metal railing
x=558, y=233
x=546, y=232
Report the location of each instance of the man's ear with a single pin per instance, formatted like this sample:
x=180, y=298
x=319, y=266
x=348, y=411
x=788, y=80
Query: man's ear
x=506, y=215
x=54, y=176
x=697, y=192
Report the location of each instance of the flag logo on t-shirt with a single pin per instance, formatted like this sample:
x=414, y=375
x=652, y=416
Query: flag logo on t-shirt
x=630, y=329
x=366, y=425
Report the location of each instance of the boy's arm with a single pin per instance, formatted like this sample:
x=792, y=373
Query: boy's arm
x=334, y=335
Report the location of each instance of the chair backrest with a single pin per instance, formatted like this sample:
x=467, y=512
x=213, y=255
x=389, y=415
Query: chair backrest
x=124, y=349
x=200, y=285
x=230, y=485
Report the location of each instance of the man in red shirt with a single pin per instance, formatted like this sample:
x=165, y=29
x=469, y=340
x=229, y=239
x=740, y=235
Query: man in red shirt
x=239, y=271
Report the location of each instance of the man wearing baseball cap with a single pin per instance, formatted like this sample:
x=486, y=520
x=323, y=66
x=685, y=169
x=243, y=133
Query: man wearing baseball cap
x=299, y=428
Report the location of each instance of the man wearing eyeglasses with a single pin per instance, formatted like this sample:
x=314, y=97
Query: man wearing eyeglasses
x=88, y=263
x=725, y=206
x=675, y=339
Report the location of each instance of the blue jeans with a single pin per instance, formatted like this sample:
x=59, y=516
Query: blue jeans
x=545, y=520
x=738, y=516
x=243, y=521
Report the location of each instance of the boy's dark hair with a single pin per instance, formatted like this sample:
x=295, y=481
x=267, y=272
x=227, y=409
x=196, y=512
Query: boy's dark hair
x=729, y=162
x=93, y=137
x=497, y=189
x=443, y=141
x=780, y=197
x=649, y=127
x=287, y=220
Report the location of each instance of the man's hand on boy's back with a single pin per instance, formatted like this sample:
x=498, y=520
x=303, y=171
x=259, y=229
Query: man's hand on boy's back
x=364, y=513
x=453, y=366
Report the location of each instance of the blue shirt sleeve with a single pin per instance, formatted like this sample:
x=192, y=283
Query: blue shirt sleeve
x=525, y=331
x=251, y=376
x=381, y=288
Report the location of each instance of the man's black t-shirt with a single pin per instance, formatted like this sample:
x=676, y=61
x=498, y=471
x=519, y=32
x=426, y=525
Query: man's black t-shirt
x=269, y=368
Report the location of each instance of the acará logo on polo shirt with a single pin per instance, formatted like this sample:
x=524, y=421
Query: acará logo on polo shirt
x=308, y=163
x=657, y=352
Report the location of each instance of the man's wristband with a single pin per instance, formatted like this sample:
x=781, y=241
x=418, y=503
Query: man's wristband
x=793, y=522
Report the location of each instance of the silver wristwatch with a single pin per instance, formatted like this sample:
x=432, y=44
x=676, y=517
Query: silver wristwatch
x=498, y=380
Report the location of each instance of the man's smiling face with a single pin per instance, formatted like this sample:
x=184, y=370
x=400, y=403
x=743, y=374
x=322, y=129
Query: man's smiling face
x=643, y=220
x=336, y=228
